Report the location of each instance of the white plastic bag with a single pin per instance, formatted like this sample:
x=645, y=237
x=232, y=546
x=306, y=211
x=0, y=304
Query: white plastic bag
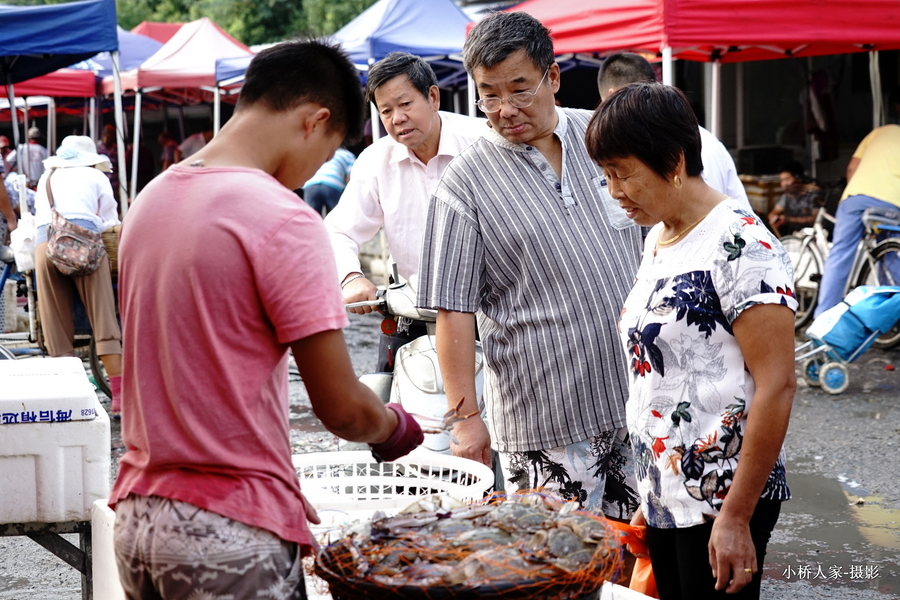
x=21, y=240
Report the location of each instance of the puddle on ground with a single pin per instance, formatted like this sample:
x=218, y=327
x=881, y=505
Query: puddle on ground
x=303, y=420
x=13, y=583
x=833, y=532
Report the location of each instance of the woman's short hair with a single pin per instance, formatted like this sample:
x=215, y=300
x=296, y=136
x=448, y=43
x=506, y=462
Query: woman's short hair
x=652, y=122
x=292, y=73
x=420, y=73
x=501, y=34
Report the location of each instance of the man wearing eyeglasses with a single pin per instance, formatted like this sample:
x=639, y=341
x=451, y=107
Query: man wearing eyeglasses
x=521, y=228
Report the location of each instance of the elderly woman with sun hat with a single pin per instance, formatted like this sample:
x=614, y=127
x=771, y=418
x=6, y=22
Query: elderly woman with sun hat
x=83, y=195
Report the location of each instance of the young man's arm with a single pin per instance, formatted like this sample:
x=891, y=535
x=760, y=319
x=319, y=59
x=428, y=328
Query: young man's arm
x=345, y=406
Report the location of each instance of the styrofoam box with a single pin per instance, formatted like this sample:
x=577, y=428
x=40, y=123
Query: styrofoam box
x=53, y=472
x=45, y=390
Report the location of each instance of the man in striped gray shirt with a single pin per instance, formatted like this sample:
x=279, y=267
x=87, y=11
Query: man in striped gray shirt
x=522, y=229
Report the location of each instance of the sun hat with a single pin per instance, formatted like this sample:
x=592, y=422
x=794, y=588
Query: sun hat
x=78, y=151
x=4, y=141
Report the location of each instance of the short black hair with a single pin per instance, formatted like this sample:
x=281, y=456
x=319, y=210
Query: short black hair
x=292, y=73
x=651, y=122
x=622, y=68
x=501, y=34
x=419, y=72
x=794, y=168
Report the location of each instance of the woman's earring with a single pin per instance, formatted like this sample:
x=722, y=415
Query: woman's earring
x=677, y=182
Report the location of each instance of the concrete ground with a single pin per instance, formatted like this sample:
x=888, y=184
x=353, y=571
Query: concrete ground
x=839, y=538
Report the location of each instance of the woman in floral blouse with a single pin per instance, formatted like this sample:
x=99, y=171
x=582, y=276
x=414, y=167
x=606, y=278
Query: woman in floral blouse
x=708, y=329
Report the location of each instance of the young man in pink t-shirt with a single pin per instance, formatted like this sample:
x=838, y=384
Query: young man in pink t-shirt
x=222, y=269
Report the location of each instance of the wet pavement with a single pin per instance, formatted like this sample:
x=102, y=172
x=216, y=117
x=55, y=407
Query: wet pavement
x=839, y=537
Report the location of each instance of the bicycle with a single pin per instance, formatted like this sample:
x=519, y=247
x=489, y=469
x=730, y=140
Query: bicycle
x=876, y=262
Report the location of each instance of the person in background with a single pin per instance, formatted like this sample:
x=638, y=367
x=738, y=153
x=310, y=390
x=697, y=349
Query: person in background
x=521, y=232
x=193, y=144
x=323, y=191
x=708, y=328
x=799, y=203
x=145, y=167
x=83, y=195
x=619, y=70
x=169, y=147
x=6, y=166
x=32, y=155
x=392, y=180
x=207, y=501
x=8, y=219
x=108, y=147
x=873, y=181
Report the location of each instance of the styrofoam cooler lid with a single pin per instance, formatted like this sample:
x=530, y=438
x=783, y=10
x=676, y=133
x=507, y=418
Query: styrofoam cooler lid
x=45, y=390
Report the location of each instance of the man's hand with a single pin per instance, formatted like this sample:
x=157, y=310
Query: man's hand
x=732, y=554
x=470, y=439
x=359, y=290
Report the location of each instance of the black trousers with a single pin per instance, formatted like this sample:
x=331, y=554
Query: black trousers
x=680, y=557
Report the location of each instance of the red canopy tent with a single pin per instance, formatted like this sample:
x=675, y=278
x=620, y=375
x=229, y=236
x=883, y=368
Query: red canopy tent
x=64, y=82
x=161, y=32
x=183, y=71
x=721, y=30
x=186, y=62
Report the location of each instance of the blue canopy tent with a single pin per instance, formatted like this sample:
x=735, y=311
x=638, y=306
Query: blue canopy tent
x=434, y=30
x=134, y=49
x=427, y=29
x=36, y=40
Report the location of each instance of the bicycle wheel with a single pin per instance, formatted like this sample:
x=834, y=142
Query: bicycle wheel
x=883, y=269
x=98, y=371
x=807, y=263
x=5, y=354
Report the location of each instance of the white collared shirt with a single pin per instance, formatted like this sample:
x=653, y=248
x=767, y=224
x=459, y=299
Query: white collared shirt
x=390, y=187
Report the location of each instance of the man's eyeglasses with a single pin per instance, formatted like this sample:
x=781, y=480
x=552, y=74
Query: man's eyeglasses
x=517, y=100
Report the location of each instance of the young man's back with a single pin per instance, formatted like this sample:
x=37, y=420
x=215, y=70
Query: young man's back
x=207, y=323
x=222, y=270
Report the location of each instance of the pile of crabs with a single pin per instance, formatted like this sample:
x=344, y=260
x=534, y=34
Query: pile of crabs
x=515, y=545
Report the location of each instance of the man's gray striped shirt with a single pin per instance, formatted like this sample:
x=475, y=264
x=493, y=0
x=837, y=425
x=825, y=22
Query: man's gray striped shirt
x=548, y=262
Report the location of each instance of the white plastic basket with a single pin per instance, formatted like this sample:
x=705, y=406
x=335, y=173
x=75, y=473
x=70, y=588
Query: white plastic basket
x=354, y=481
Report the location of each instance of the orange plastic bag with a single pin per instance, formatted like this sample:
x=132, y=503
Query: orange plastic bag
x=642, y=579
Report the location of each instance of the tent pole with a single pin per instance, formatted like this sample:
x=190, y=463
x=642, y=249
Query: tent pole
x=877, y=100
x=11, y=95
x=217, y=110
x=181, y=121
x=25, y=127
x=739, y=105
x=376, y=122
x=667, y=66
x=135, y=145
x=92, y=121
x=715, y=98
x=51, y=126
x=120, y=134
